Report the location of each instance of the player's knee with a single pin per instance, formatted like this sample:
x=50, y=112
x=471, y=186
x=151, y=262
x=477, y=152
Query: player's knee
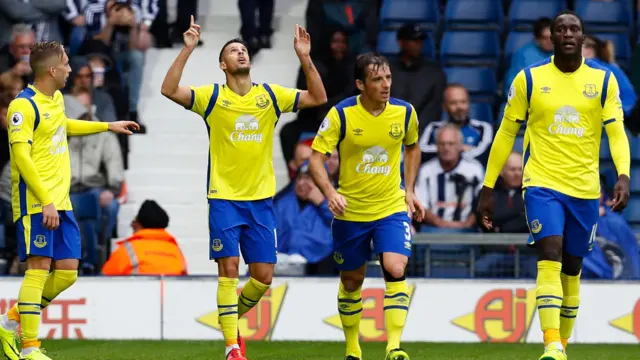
x=550, y=249
x=394, y=272
x=352, y=281
x=228, y=267
x=571, y=265
x=264, y=278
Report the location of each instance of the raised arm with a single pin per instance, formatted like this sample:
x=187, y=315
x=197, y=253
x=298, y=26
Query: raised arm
x=171, y=87
x=315, y=94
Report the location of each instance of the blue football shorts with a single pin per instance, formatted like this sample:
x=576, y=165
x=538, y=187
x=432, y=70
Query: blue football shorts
x=36, y=240
x=246, y=226
x=551, y=213
x=352, y=239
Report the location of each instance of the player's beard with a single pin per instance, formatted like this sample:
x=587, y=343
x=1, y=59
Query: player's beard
x=241, y=71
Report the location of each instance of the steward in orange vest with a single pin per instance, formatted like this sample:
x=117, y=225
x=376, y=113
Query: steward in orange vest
x=151, y=250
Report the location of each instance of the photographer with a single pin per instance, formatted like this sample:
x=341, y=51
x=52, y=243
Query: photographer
x=117, y=23
x=448, y=185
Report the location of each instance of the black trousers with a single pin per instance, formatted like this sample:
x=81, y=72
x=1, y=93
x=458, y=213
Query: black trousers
x=186, y=8
x=250, y=29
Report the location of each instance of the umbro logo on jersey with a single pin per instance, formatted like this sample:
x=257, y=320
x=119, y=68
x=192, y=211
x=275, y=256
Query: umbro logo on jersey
x=545, y=89
x=226, y=103
x=46, y=116
x=358, y=132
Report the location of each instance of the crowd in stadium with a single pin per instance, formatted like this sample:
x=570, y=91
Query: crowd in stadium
x=454, y=61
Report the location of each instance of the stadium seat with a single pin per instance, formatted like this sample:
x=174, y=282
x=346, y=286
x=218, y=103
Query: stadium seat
x=481, y=82
x=388, y=44
x=470, y=48
x=607, y=16
x=474, y=15
x=481, y=111
x=605, y=153
x=395, y=13
x=632, y=212
x=524, y=13
x=622, y=47
x=635, y=180
x=515, y=40
x=634, y=144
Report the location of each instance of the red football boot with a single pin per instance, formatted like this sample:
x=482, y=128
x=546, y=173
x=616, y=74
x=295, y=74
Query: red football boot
x=235, y=355
x=242, y=344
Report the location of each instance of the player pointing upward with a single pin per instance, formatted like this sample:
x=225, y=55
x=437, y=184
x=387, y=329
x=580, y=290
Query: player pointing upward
x=567, y=101
x=40, y=179
x=240, y=118
x=370, y=203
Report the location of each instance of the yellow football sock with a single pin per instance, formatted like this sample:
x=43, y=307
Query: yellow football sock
x=570, y=305
x=549, y=299
x=350, y=309
x=396, y=306
x=228, y=309
x=251, y=294
x=57, y=282
x=29, y=306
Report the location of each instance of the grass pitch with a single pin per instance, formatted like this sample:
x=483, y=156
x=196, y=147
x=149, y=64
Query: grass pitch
x=209, y=350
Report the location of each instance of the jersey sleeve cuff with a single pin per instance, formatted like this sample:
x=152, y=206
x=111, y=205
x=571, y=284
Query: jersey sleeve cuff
x=295, y=102
x=193, y=100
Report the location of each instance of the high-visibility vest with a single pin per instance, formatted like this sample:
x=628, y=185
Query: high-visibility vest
x=147, y=252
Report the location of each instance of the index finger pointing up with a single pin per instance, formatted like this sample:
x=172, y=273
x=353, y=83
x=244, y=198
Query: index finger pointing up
x=192, y=20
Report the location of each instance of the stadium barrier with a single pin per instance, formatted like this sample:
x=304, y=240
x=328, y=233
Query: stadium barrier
x=305, y=309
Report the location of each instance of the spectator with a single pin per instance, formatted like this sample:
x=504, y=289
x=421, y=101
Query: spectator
x=477, y=135
x=151, y=250
x=41, y=15
x=81, y=80
x=14, y=57
x=302, y=154
x=304, y=220
x=417, y=80
x=7, y=251
x=75, y=26
x=257, y=36
x=335, y=66
x=539, y=49
x=508, y=208
x=449, y=184
x=601, y=53
x=117, y=24
x=358, y=19
x=186, y=9
x=89, y=155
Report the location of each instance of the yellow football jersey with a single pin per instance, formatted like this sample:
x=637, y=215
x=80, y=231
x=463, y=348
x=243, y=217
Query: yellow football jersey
x=39, y=120
x=370, y=149
x=566, y=113
x=241, y=132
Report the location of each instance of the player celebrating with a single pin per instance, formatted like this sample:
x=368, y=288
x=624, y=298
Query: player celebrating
x=40, y=180
x=241, y=117
x=369, y=131
x=567, y=100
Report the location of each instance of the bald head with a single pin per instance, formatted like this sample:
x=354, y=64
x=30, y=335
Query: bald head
x=512, y=172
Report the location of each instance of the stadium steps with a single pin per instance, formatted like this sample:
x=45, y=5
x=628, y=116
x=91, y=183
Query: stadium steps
x=168, y=164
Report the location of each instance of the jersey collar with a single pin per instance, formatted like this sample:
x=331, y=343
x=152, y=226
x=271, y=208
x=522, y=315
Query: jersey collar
x=564, y=73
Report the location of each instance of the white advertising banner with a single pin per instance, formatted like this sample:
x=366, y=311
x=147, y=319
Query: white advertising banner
x=97, y=308
x=306, y=309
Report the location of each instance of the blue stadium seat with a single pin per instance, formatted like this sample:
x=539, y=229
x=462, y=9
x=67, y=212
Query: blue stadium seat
x=470, y=48
x=481, y=111
x=500, y=114
x=632, y=212
x=395, y=13
x=635, y=179
x=481, y=82
x=515, y=40
x=474, y=15
x=388, y=44
x=622, y=47
x=598, y=16
x=524, y=13
x=634, y=145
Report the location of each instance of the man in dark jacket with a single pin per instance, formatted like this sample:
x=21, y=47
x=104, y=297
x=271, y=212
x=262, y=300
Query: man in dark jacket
x=416, y=79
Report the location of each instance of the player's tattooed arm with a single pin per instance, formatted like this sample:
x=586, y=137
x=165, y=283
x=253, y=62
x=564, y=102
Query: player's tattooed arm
x=316, y=94
x=171, y=87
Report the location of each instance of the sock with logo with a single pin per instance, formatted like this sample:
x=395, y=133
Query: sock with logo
x=251, y=294
x=29, y=307
x=228, y=310
x=350, y=309
x=570, y=305
x=396, y=306
x=549, y=299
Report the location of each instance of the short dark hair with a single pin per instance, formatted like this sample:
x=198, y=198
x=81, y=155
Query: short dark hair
x=232, y=41
x=566, y=12
x=364, y=60
x=539, y=26
x=43, y=51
